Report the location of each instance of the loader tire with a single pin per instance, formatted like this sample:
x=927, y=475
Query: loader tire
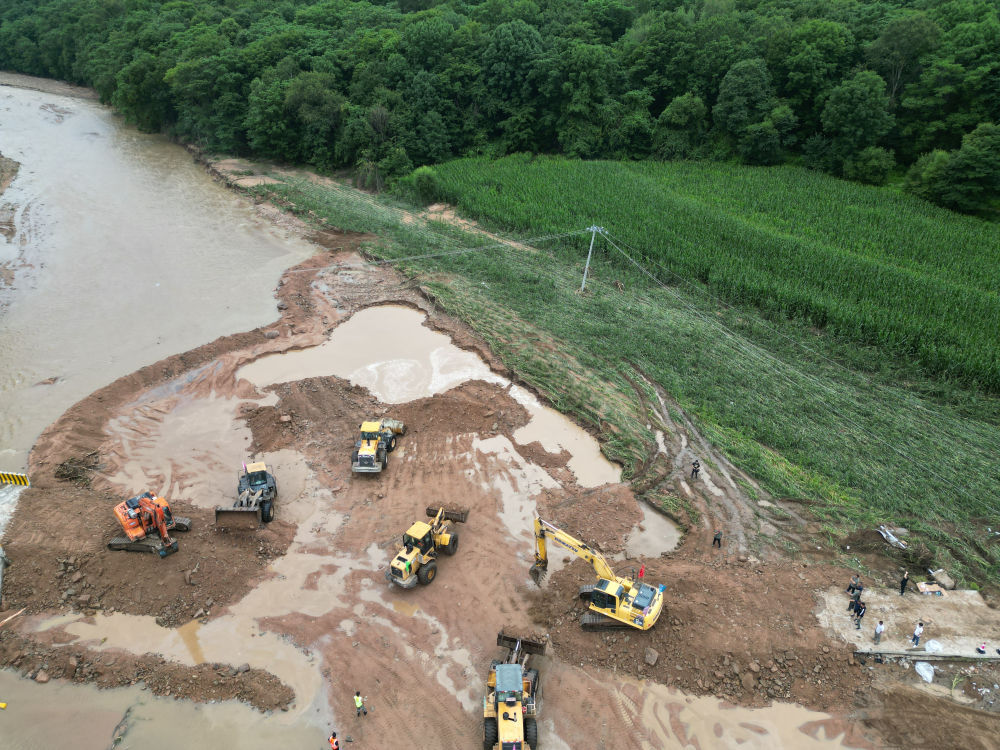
x=390, y=445
x=427, y=573
x=267, y=511
x=354, y=458
x=452, y=546
x=531, y=732
x=490, y=732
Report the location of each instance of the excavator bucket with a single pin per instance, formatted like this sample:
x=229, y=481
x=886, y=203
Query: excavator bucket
x=450, y=514
x=518, y=643
x=538, y=571
x=237, y=518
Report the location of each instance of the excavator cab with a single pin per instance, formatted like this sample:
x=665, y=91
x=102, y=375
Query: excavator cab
x=607, y=595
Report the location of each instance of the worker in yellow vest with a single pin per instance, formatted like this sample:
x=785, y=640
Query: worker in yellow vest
x=359, y=703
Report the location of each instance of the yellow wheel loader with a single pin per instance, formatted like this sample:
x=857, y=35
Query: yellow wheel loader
x=510, y=708
x=616, y=602
x=417, y=558
x=376, y=441
x=256, y=492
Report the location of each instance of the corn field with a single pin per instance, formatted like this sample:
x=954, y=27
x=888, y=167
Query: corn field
x=864, y=263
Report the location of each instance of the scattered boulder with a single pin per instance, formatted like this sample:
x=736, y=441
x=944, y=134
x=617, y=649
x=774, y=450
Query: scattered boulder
x=651, y=656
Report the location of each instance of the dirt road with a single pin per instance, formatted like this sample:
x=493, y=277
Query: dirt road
x=298, y=616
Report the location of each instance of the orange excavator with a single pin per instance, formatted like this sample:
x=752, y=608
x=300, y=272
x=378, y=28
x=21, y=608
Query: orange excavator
x=146, y=521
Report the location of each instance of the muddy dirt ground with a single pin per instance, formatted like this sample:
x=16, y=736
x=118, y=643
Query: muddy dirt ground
x=740, y=624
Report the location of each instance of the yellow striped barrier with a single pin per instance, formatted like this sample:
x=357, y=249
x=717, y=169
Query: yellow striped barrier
x=7, y=477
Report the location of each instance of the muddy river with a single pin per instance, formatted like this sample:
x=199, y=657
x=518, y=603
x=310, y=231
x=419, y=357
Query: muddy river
x=123, y=252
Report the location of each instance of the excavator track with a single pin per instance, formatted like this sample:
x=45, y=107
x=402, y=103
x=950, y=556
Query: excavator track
x=142, y=545
x=181, y=524
x=593, y=621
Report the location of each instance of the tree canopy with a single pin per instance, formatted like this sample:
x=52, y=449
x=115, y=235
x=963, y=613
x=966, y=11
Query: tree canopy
x=854, y=87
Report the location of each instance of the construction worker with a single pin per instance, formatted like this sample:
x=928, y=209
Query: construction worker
x=359, y=703
x=334, y=742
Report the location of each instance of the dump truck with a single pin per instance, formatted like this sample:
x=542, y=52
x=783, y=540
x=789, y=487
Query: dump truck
x=376, y=441
x=510, y=708
x=146, y=522
x=615, y=602
x=416, y=560
x=257, y=492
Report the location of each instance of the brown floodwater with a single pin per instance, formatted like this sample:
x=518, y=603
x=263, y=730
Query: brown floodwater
x=121, y=250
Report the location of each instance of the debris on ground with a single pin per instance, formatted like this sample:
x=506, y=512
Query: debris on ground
x=891, y=538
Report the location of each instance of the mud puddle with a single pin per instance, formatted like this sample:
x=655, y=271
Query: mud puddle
x=389, y=351
x=195, y=451
x=60, y=714
x=652, y=536
x=676, y=720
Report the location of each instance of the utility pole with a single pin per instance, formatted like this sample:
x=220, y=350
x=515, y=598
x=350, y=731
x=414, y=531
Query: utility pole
x=593, y=235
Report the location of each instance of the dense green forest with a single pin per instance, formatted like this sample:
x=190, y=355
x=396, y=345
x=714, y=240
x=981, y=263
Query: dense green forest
x=860, y=89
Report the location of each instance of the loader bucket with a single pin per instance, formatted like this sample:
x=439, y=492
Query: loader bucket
x=396, y=425
x=237, y=518
x=527, y=645
x=458, y=515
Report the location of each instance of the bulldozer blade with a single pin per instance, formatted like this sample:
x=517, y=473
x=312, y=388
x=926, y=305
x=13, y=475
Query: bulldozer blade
x=458, y=515
x=237, y=518
x=537, y=573
x=528, y=645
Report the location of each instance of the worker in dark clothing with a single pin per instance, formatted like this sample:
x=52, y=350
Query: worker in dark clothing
x=855, y=598
x=717, y=540
x=859, y=611
x=695, y=468
x=903, y=582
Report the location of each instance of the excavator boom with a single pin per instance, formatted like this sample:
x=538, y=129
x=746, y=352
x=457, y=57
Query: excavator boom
x=614, y=601
x=545, y=531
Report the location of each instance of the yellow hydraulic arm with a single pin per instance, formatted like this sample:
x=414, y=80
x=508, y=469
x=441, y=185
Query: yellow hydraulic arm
x=546, y=531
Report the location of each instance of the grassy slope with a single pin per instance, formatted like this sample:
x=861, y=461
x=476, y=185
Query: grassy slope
x=775, y=395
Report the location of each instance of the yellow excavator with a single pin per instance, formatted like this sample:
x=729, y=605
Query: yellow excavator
x=616, y=602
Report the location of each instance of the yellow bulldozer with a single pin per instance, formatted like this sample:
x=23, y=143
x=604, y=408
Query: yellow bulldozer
x=376, y=441
x=510, y=708
x=416, y=560
x=616, y=602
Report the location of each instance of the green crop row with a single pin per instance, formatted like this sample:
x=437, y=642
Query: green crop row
x=872, y=266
